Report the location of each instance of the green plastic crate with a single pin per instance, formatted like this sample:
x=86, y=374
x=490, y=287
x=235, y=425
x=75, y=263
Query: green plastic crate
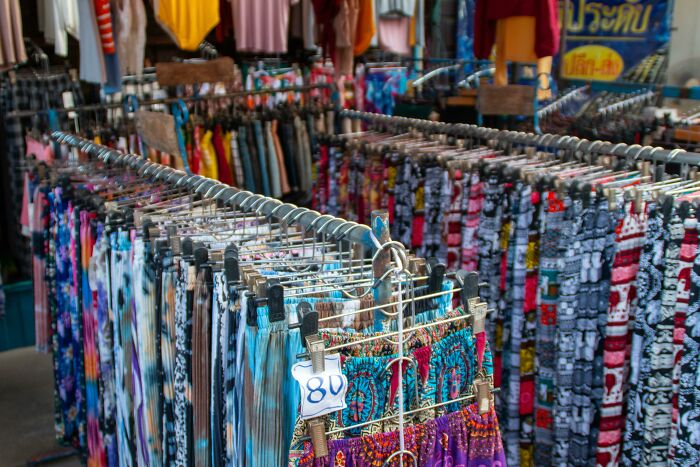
x=17, y=326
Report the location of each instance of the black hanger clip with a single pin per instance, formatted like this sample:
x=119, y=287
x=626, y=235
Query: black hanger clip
x=187, y=247
x=251, y=312
x=667, y=208
x=469, y=283
x=307, y=322
x=232, y=269
x=275, y=300
x=201, y=255
x=436, y=275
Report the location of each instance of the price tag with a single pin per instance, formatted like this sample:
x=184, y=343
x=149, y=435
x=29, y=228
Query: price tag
x=321, y=393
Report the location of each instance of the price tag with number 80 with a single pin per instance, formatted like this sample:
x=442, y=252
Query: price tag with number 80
x=321, y=393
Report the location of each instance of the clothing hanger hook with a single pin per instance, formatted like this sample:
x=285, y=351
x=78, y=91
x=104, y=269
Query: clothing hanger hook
x=214, y=186
x=631, y=148
x=671, y=155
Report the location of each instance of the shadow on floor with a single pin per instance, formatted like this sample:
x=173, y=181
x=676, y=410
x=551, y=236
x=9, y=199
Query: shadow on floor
x=26, y=409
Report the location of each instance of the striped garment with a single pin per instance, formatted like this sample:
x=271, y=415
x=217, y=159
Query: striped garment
x=103, y=13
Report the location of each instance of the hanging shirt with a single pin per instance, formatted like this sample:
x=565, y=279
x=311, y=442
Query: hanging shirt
x=261, y=25
x=130, y=16
x=57, y=19
x=225, y=174
x=11, y=39
x=188, y=22
x=365, y=27
x=393, y=35
x=394, y=25
x=92, y=61
x=488, y=12
x=103, y=13
x=345, y=24
x=325, y=12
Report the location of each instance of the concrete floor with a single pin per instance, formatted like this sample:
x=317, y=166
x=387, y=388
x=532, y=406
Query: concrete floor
x=26, y=409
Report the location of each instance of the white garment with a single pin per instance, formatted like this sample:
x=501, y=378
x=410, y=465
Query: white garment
x=71, y=19
x=61, y=19
x=130, y=23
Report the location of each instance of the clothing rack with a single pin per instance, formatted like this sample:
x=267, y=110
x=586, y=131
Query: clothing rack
x=627, y=102
x=172, y=100
x=567, y=97
x=503, y=186
x=547, y=140
x=622, y=87
x=376, y=238
x=215, y=190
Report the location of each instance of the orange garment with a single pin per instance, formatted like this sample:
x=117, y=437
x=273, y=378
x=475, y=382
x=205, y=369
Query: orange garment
x=188, y=22
x=365, y=27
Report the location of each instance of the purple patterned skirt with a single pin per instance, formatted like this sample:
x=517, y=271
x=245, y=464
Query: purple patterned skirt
x=458, y=439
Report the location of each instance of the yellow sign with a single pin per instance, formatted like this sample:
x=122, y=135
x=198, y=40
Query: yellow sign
x=592, y=62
